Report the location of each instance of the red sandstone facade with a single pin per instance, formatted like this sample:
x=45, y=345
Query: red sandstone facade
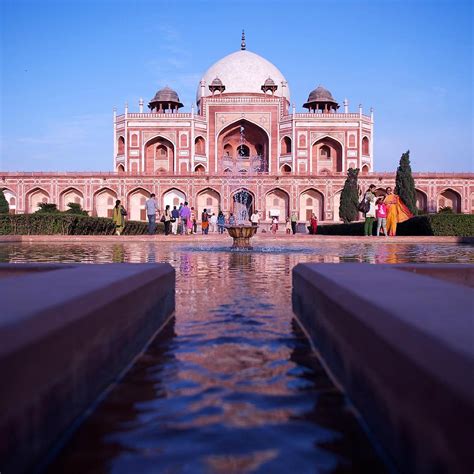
x=243, y=135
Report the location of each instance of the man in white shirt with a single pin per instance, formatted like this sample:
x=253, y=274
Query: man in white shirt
x=255, y=218
x=213, y=222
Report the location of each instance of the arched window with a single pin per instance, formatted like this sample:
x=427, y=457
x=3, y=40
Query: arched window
x=120, y=169
x=325, y=152
x=134, y=140
x=228, y=151
x=286, y=146
x=243, y=150
x=200, y=169
x=365, y=146
x=286, y=168
x=200, y=146
x=121, y=146
x=161, y=152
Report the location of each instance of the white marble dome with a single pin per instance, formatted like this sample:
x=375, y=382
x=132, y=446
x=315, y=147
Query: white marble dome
x=243, y=71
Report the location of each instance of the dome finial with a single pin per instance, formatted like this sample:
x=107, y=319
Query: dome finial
x=242, y=44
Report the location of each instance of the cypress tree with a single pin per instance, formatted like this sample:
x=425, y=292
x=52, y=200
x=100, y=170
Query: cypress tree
x=404, y=183
x=349, y=197
x=4, y=207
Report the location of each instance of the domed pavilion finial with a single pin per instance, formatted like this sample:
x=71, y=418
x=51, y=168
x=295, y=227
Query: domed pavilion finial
x=242, y=44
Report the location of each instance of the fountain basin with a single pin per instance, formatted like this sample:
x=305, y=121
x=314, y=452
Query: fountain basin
x=242, y=235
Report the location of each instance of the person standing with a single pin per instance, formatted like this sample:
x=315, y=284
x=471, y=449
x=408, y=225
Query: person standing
x=151, y=210
x=255, y=218
x=288, y=226
x=313, y=223
x=185, y=214
x=221, y=222
x=204, y=222
x=213, y=222
x=231, y=219
x=381, y=214
x=174, y=220
x=294, y=220
x=118, y=217
x=194, y=221
x=396, y=211
x=369, y=199
x=274, y=225
x=167, y=219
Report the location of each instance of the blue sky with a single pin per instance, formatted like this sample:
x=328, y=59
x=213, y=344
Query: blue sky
x=66, y=64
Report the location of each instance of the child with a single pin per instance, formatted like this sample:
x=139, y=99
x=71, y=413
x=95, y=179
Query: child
x=274, y=225
x=381, y=213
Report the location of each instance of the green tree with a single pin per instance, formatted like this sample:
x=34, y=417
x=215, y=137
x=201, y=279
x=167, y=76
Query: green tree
x=405, y=184
x=75, y=208
x=350, y=197
x=47, y=208
x=4, y=207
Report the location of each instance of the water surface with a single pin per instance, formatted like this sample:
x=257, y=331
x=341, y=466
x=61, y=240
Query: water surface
x=231, y=385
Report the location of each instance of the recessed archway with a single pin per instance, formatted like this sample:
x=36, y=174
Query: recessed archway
x=35, y=197
x=311, y=201
x=277, y=204
x=70, y=195
x=104, y=202
x=136, y=204
x=173, y=197
x=11, y=198
x=250, y=143
x=327, y=153
x=242, y=203
x=421, y=200
x=450, y=198
x=159, y=155
x=208, y=199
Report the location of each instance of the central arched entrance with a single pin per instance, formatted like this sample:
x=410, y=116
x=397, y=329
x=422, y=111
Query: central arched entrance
x=243, y=147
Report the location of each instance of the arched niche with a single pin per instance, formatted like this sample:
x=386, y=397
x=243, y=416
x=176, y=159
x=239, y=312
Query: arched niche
x=450, y=198
x=311, y=201
x=328, y=151
x=277, y=203
x=173, y=197
x=35, y=197
x=104, y=202
x=136, y=204
x=159, y=155
x=208, y=199
x=72, y=195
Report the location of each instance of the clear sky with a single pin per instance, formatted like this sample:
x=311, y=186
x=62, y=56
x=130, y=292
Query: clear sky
x=66, y=64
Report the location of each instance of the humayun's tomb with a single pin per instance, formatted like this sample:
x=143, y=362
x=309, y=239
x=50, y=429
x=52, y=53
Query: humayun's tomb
x=244, y=134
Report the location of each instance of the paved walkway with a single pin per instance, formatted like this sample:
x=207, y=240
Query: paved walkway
x=259, y=238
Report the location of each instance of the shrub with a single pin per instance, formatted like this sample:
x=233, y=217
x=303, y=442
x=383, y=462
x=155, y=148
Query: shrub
x=67, y=224
x=4, y=207
x=446, y=210
x=349, y=197
x=444, y=224
x=47, y=208
x=75, y=208
x=405, y=184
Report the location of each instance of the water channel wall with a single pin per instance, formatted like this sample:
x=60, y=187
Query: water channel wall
x=67, y=332
x=400, y=344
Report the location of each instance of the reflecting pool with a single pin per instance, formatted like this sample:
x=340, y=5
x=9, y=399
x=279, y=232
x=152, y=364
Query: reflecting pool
x=232, y=384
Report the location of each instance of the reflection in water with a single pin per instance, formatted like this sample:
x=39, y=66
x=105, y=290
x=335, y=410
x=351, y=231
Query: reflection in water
x=232, y=385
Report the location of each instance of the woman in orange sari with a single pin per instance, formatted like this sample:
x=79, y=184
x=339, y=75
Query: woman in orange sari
x=396, y=211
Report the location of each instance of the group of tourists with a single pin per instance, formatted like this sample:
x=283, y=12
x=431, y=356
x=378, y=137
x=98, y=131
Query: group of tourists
x=388, y=210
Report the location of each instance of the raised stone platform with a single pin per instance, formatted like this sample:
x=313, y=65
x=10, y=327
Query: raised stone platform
x=401, y=345
x=67, y=332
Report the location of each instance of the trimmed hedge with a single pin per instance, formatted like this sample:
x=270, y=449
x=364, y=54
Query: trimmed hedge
x=458, y=225
x=67, y=224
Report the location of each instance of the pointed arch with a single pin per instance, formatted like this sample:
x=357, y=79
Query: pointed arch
x=173, y=197
x=200, y=145
x=421, y=200
x=11, y=198
x=120, y=169
x=103, y=202
x=450, y=197
x=311, y=201
x=136, y=199
x=365, y=146
x=200, y=169
x=151, y=163
x=207, y=198
x=36, y=196
x=277, y=203
x=365, y=169
x=120, y=145
x=70, y=194
x=286, y=145
x=336, y=153
x=285, y=168
x=238, y=205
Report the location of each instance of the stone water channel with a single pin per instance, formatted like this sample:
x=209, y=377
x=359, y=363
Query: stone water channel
x=231, y=385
